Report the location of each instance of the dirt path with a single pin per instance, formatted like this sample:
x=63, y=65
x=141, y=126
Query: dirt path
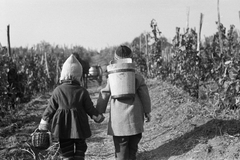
x=181, y=129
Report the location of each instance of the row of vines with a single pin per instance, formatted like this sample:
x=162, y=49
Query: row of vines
x=213, y=67
x=29, y=72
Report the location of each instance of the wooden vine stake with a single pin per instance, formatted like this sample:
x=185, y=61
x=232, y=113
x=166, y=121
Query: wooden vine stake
x=199, y=33
x=57, y=71
x=239, y=15
x=140, y=43
x=219, y=30
x=199, y=45
x=187, y=24
x=146, y=52
x=8, y=37
x=42, y=60
x=46, y=63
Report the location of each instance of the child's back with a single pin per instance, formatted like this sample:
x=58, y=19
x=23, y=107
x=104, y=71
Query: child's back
x=126, y=115
x=68, y=109
x=126, y=118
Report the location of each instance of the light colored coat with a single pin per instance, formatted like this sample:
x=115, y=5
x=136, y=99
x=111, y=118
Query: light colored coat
x=126, y=116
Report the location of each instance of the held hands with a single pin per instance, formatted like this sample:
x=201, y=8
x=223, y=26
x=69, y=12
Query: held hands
x=98, y=119
x=148, y=117
x=43, y=125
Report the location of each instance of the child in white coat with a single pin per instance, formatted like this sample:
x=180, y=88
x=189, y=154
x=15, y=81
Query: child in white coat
x=126, y=118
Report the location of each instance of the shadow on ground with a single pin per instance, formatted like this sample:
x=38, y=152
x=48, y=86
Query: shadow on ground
x=99, y=131
x=189, y=140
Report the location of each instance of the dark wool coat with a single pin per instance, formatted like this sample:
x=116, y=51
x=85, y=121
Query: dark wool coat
x=68, y=108
x=126, y=115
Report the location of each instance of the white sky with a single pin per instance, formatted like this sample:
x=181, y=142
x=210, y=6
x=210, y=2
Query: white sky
x=97, y=24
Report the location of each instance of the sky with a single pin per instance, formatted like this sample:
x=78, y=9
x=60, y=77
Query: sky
x=96, y=24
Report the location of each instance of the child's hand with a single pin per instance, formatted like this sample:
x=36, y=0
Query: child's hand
x=99, y=118
x=43, y=125
x=148, y=117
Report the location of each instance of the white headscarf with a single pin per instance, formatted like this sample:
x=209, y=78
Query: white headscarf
x=71, y=69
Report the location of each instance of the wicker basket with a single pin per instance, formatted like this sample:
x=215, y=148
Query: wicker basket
x=41, y=139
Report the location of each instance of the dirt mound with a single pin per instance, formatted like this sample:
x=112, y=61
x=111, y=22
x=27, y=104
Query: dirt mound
x=182, y=129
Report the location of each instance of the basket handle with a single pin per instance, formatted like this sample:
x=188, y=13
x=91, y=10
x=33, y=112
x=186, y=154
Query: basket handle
x=34, y=131
x=37, y=130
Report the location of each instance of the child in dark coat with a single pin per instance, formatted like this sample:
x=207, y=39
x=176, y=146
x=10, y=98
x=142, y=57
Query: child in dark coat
x=68, y=109
x=126, y=117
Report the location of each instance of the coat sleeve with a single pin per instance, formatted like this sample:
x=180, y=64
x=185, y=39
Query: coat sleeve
x=103, y=98
x=88, y=105
x=51, y=109
x=143, y=93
